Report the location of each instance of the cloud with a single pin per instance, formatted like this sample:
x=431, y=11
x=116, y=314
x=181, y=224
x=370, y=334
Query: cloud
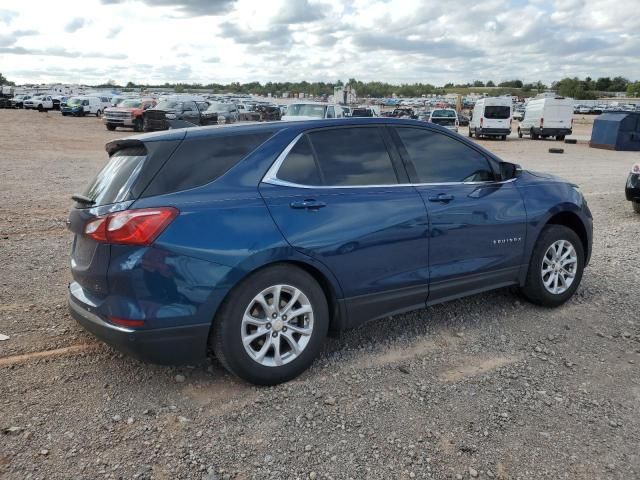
x=188, y=8
x=75, y=24
x=276, y=35
x=299, y=11
x=61, y=52
x=6, y=16
x=9, y=39
x=211, y=60
x=113, y=33
x=432, y=48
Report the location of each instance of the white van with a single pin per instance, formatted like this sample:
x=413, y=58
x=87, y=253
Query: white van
x=312, y=111
x=547, y=117
x=491, y=117
x=80, y=106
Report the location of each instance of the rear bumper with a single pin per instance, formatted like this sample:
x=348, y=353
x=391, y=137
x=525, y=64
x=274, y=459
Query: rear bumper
x=167, y=346
x=552, y=132
x=632, y=188
x=491, y=132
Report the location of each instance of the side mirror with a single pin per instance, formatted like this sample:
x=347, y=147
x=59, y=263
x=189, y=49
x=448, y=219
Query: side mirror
x=509, y=170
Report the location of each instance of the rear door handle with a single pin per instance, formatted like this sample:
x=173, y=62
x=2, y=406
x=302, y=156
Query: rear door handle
x=442, y=197
x=308, y=204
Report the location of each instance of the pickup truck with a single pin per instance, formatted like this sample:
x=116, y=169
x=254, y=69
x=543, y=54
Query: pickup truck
x=129, y=113
x=174, y=113
x=39, y=102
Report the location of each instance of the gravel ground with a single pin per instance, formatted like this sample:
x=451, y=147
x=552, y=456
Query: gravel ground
x=486, y=387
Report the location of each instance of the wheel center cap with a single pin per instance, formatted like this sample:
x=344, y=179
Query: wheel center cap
x=277, y=325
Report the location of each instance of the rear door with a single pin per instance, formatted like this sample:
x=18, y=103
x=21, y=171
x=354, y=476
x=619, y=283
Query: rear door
x=341, y=197
x=477, y=222
x=497, y=116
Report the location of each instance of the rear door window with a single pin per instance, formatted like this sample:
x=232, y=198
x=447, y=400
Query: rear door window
x=115, y=180
x=340, y=157
x=199, y=161
x=497, y=113
x=438, y=158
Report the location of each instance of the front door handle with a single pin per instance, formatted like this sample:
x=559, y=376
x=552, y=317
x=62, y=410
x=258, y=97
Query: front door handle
x=442, y=197
x=308, y=204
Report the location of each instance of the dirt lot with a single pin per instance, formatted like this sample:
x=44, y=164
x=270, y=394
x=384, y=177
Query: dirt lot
x=486, y=387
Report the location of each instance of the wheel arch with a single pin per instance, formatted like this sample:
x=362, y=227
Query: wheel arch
x=572, y=220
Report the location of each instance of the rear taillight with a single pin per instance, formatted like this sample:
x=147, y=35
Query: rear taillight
x=125, y=322
x=131, y=227
x=541, y=122
x=481, y=122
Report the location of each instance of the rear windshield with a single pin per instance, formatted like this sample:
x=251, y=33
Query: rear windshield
x=200, y=161
x=114, y=181
x=306, y=110
x=444, y=114
x=497, y=113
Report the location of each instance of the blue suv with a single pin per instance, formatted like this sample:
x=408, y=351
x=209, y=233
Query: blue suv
x=256, y=241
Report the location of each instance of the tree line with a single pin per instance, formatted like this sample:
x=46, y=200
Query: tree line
x=581, y=89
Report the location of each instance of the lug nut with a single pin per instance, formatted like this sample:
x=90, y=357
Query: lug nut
x=284, y=317
x=284, y=329
x=275, y=315
x=274, y=334
x=268, y=325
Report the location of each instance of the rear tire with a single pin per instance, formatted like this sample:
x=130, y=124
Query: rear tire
x=545, y=266
x=257, y=362
x=503, y=137
x=519, y=133
x=560, y=138
x=534, y=135
x=636, y=206
x=470, y=133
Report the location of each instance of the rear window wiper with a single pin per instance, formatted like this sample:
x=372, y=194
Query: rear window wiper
x=82, y=199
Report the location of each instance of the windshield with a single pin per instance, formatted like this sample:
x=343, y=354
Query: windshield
x=130, y=104
x=218, y=107
x=444, y=114
x=74, y=101
x=169, y=105
x=497, y=113
x=306, y=110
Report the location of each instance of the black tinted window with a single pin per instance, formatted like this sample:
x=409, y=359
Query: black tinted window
x=300, y=166
x=353, y=156
x=199, y=161
x=439, y=158
x=114, y=181
x=497, y=113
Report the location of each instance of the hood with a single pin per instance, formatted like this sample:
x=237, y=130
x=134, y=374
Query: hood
x=549, y=176
x=121, y=109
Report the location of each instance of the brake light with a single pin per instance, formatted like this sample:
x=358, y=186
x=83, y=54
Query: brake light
x=481, y=121
x=131, y=227
x=541, y=122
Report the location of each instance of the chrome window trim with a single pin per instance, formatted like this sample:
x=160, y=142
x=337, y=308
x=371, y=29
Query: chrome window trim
x=271, y=177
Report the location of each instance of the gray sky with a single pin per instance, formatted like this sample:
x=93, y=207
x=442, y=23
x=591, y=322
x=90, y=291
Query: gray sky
x=398, y=41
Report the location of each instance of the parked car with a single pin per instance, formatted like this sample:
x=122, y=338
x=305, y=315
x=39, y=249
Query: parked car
x=518, y=114
x=219, y=113
x=491, y=118
x=312, y=111
x=547, y=117
x=363, y=112
x=39, y=102
x=403, y=113
x=269, y=113
x=257, y=240
x=129, y=113
x=632, y=189
x=168, y=111
x=18, y=100
x=445, y=117
x=5, y=102
x=81, y=106
x=463, y=120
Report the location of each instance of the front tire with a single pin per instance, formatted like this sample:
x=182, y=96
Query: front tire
x=138, y=125
x=111, y=127
x=271, y=326
x=98, y=113
x=556, y=267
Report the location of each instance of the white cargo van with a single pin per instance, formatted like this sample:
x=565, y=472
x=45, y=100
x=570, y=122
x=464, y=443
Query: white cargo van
x=547, y=117
x=491, y=117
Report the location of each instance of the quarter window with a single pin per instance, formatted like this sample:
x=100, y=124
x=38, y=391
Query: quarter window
x=439, y=158
x=300, y=165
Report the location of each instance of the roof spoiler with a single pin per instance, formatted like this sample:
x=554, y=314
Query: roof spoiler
x=116, y=145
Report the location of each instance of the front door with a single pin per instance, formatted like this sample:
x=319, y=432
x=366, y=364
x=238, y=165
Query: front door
x=477, y=222
x=336, y=198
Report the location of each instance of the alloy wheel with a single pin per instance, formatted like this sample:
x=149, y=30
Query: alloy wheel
x=559, y=265
x=277, y=325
